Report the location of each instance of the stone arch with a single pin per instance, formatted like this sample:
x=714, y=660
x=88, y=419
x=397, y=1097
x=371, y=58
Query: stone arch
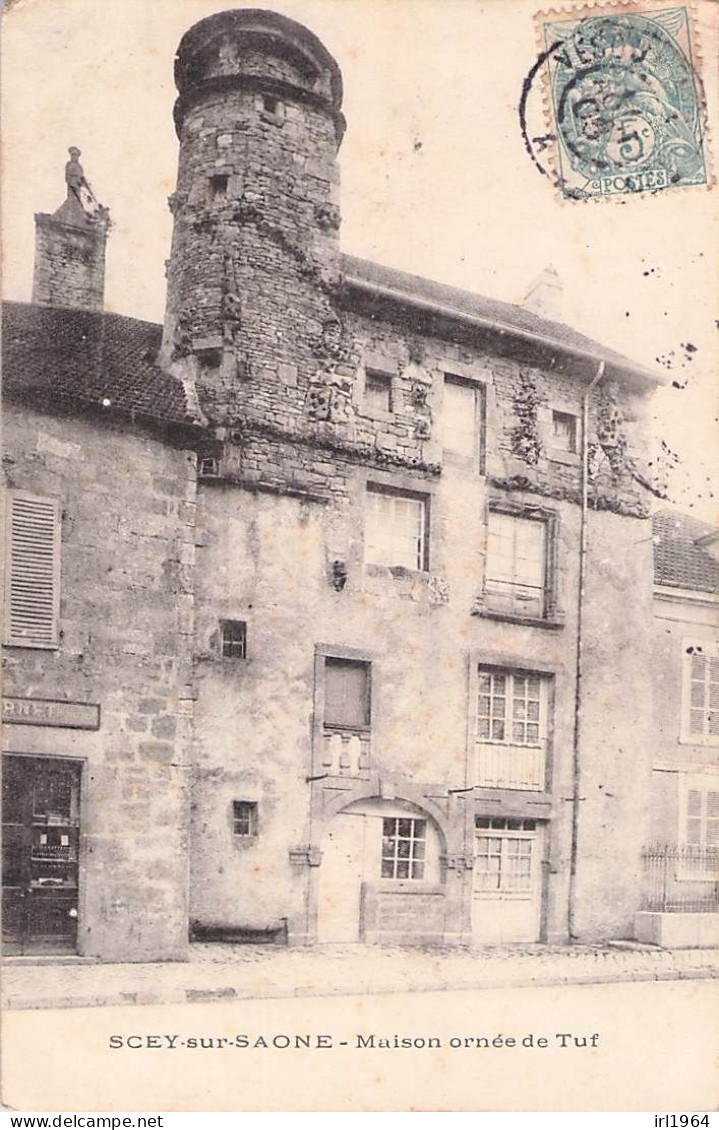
x=337, y=802
x=359, y=887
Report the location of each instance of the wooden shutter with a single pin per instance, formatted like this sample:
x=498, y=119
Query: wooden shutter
x=32, y=578
x=346, y=693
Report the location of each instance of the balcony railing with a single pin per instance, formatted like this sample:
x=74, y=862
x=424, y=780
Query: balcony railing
x=345, y=753
x=681, y=877
x=510, y=766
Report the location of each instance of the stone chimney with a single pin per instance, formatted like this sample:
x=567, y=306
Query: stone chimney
x=70, y=246
x=544, y=296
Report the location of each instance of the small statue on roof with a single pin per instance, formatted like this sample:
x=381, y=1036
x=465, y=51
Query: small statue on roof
x=79, y=189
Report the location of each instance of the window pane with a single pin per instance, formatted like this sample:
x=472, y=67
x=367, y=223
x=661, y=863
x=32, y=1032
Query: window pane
x=346, y=693
x=515, y=568
x=394, y=530
x=403, y=848
x=564, y=428
x=513, y=716
x=378, y=392
x=459, y=411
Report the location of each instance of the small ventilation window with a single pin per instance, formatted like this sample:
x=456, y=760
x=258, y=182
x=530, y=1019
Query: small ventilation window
x=244, y=818
x=218, y=187
x=209, y=467
x=271, y=105
x=234, y=639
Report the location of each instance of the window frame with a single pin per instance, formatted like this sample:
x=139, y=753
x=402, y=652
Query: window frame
x=393, y=857
x=491, y=828
x=686, y=736
x=10, y=640
x=550, y=520
x=575, y=424
x=251, y=811
x=364, y=727
x=544, y=705
x=226, y=624
x=477, y=459
x=704, y=784
x=383, y=490
x=374, y=373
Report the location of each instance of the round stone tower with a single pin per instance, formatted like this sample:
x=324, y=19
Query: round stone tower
x=255, y=255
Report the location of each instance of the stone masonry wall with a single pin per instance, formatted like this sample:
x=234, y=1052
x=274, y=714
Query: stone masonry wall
x=69, y=265
x=277, y=348
x=126, y=624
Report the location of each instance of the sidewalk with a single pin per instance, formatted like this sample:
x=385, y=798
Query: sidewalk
x=228, y=972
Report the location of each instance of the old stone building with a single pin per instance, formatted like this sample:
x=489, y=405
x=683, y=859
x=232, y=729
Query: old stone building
x=681, y=904
x=330, y=602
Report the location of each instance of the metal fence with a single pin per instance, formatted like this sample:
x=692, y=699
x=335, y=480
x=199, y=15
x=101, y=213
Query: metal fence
x=681, y=878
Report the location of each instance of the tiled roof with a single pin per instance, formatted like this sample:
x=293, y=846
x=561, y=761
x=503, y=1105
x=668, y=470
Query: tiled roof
x=78, y=358
x=503, y=316
x=679, y=561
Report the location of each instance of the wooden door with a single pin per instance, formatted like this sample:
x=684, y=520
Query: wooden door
x=41, y=827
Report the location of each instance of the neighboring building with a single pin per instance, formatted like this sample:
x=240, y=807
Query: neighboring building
x=339, y=683
x=683, y=854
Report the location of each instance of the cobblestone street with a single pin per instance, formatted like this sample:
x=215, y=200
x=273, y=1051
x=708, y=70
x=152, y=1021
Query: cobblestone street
x=227, y=972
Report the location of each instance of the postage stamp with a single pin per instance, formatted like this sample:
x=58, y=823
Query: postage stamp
x=625, y=99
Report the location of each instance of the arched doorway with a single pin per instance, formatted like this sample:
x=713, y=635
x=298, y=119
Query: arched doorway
x=381, y=873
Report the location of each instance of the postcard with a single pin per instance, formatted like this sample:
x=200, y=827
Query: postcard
x=361, y=690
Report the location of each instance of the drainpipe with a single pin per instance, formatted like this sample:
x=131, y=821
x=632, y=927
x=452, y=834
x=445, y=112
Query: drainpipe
x=578, y=671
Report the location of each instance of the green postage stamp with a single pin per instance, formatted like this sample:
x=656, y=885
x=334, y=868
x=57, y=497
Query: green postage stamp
x=625, y=97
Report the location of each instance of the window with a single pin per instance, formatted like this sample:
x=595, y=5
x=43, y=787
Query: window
x=272, y=105
x=701, y=693
x=218, y=187
x=234, y=639
x=698, y=855
x=516, y=572
x=32, y=577
x=209, y=467
x=564, y=432
x=511, y=708
x=503, y=855
x=460, y=418
x=404, y=842
x=347, y=694
x=244, y=818
x=377, y=392
x=395, y=529
x=702, y=816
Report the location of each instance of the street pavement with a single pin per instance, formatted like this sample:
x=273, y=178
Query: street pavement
x=230, y=972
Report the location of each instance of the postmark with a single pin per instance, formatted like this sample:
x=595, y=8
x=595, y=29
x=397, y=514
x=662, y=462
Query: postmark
x=624, y=98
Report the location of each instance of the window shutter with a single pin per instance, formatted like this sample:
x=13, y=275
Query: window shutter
x=346, y=693
x=32, y=576
x=694, y=817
